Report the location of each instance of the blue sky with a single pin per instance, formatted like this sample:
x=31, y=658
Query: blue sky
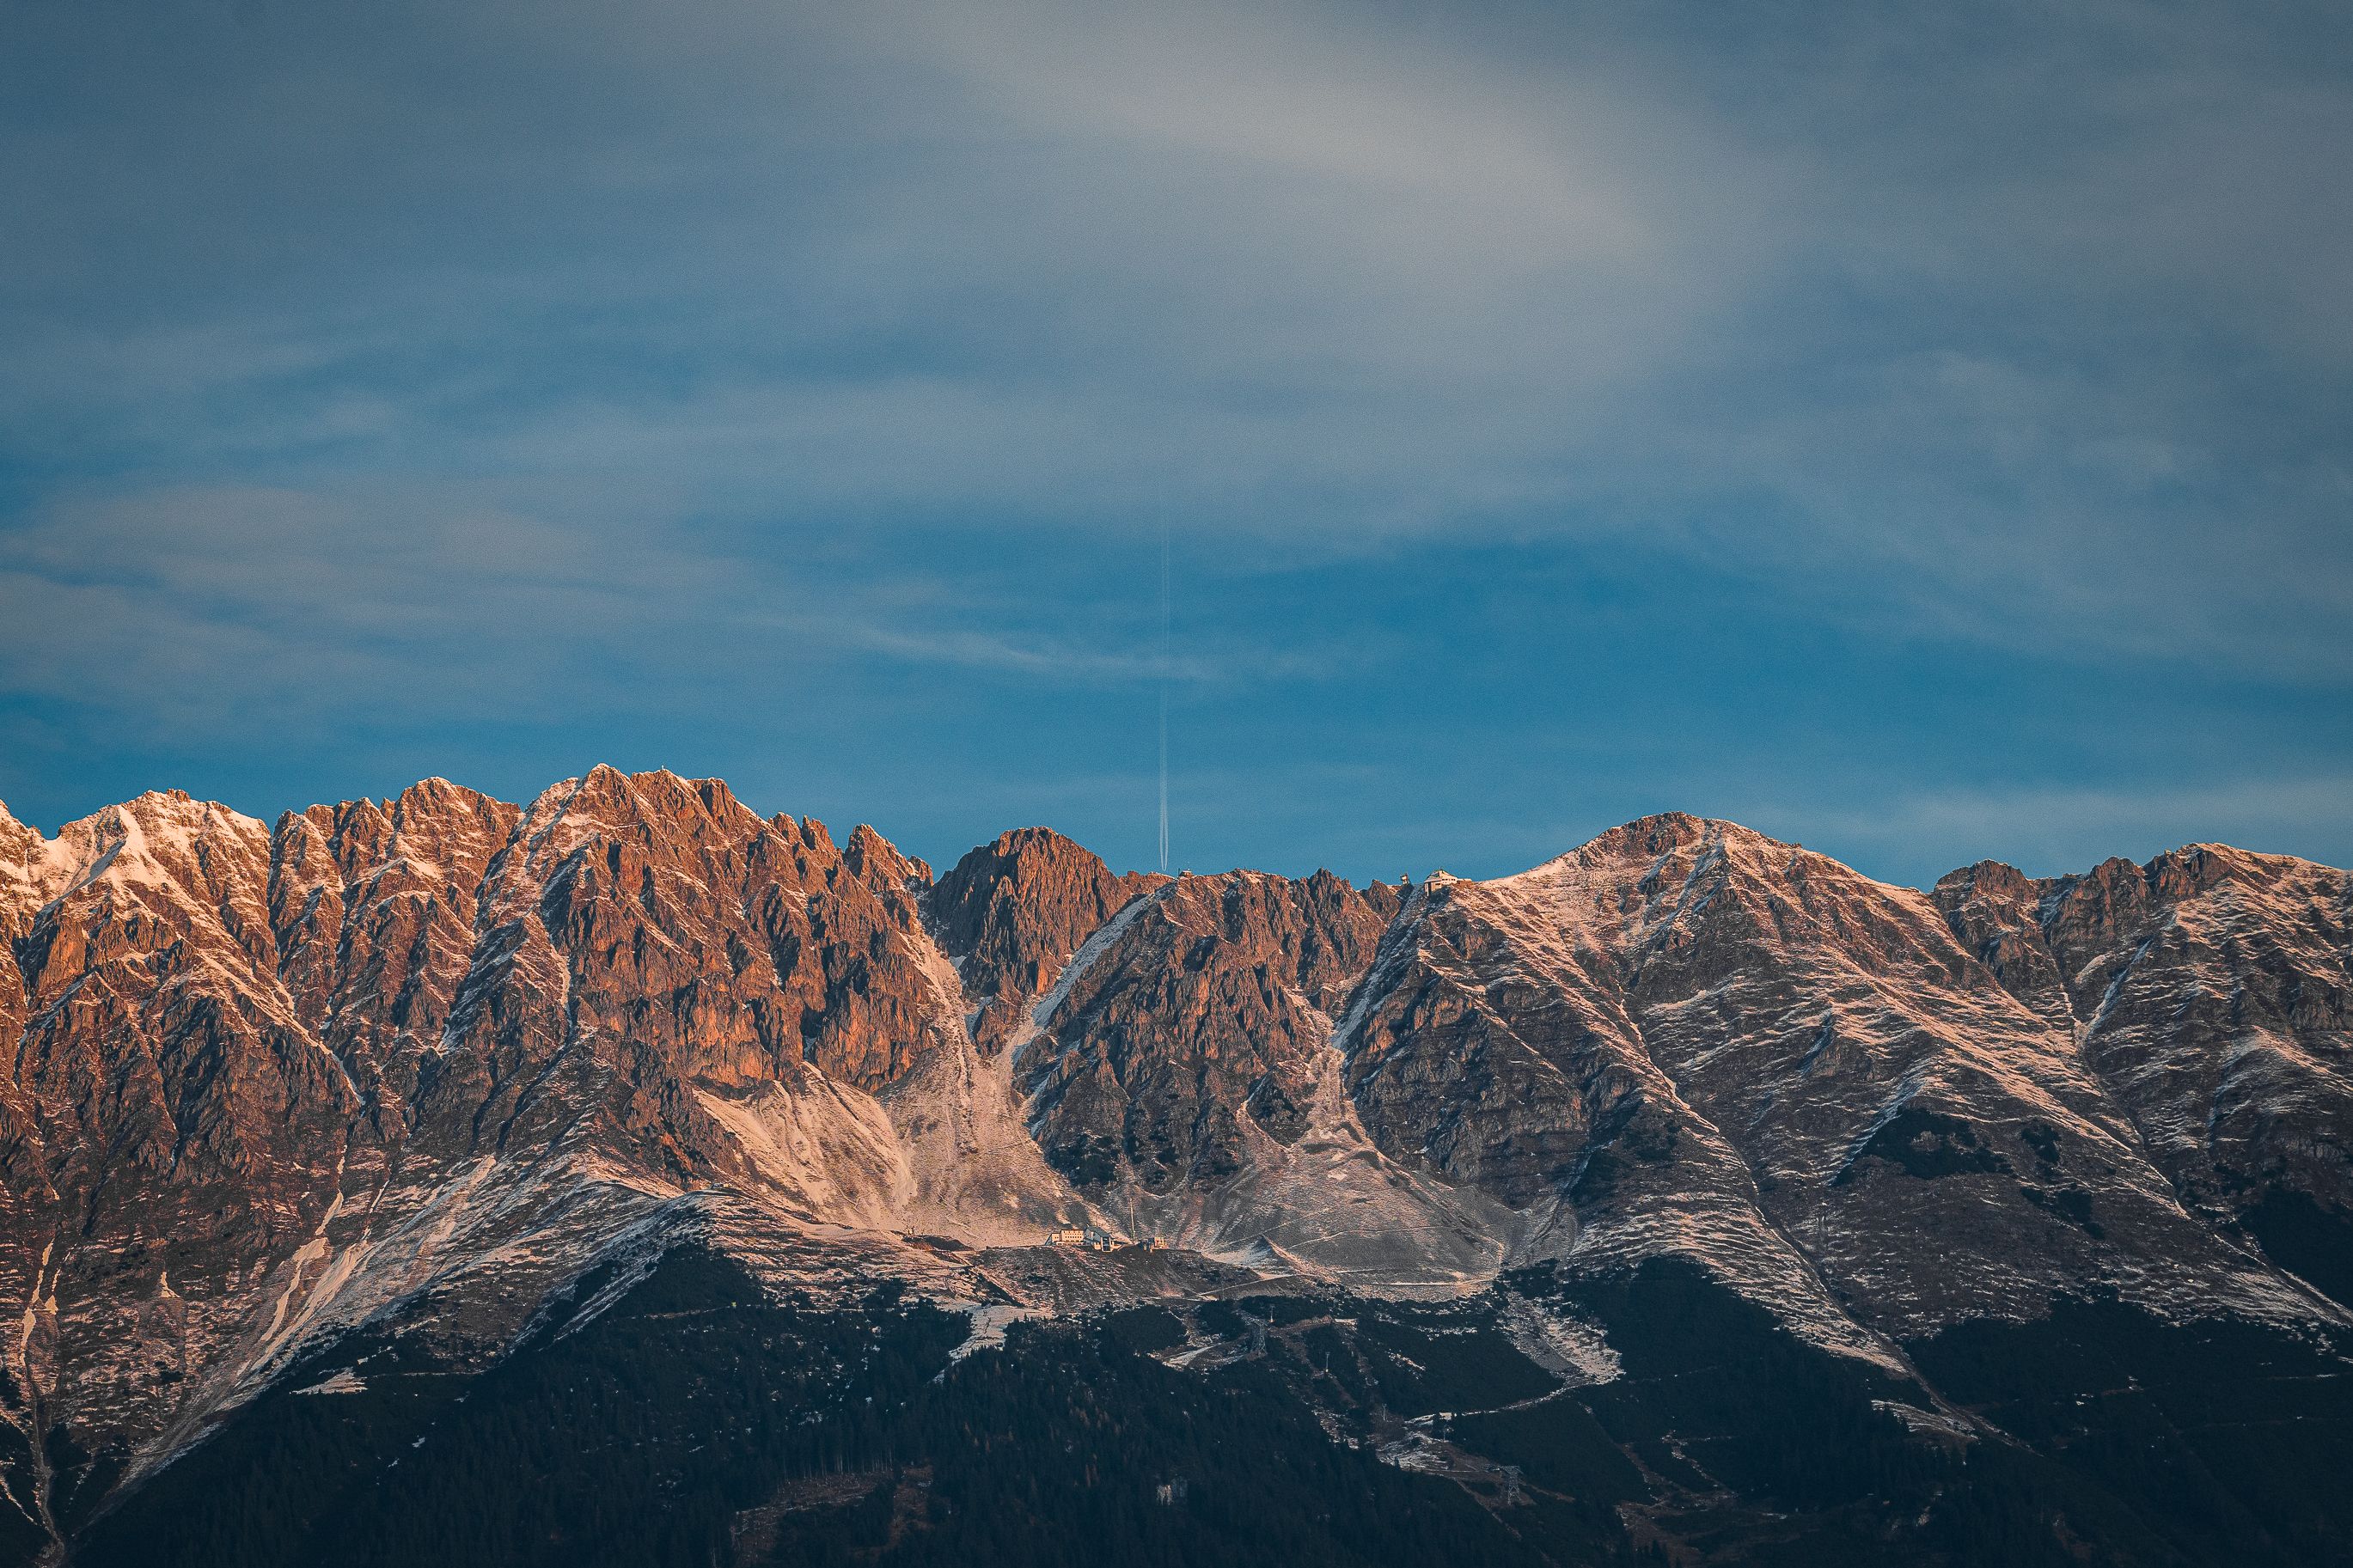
x=1922, y=436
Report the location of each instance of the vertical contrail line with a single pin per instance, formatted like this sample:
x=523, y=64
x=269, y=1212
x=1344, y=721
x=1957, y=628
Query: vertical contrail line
x=1164, y=690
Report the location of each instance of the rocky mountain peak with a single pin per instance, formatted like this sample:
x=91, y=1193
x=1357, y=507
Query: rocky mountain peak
x=876, y=861
x=21, y=854
x=13, y=833
x=1012, y=913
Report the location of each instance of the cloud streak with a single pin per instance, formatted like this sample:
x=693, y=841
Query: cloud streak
x=505, y=356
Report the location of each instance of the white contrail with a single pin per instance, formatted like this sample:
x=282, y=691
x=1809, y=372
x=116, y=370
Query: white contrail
x=1163, y=692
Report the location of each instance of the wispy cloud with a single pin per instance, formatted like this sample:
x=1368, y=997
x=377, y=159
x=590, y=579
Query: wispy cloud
x=203, y=606
x=500, y=356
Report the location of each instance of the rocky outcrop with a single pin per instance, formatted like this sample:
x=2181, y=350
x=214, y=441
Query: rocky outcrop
x=1011, y=913
x=1211, y=1014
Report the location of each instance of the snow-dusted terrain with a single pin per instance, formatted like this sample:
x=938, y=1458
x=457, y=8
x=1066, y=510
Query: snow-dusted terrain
x=440, y=1063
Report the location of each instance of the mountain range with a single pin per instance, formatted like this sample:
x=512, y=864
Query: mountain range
x=625, y=1176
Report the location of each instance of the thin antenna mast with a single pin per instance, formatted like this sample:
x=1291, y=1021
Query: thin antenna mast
x=1164, y=690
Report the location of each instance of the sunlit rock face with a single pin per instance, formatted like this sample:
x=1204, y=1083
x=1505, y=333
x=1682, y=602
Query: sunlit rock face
x=270, y=1081
x=1012, y=913
x=1211, y=1013
x=430, y=1062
